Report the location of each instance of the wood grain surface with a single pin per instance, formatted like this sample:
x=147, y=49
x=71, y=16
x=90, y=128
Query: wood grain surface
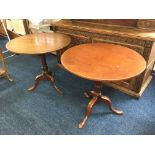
x=103, y=62
x=38, y=43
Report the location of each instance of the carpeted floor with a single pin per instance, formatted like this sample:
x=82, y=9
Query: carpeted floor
x=45, y=112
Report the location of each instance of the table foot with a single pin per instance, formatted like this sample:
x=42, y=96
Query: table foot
x=107, y=100
x=44, y=76
x=50, y=77
x=8, y=77
x=97, y=96
x=36, y=82
x=88, y=111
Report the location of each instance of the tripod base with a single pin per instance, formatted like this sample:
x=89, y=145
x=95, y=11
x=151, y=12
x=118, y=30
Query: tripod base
x=96, y=96
x=44, y=76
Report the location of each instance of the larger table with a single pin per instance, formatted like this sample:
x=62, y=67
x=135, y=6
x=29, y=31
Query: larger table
x=102, y=62
x=40, y=44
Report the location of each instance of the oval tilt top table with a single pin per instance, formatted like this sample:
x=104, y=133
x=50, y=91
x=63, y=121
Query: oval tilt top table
x=102, y=62
x=39, y=44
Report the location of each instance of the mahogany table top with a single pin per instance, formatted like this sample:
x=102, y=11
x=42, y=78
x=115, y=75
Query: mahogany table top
x=38, y=43
x=103, y=62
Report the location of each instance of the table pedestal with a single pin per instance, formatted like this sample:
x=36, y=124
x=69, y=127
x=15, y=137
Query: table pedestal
x=46, y=75
x=97, y=96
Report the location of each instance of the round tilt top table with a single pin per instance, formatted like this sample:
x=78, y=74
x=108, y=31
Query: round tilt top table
x=102, y=62
x=39, y=44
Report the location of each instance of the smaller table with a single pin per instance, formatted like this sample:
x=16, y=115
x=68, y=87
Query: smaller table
x=102, y=62
x=40, y=44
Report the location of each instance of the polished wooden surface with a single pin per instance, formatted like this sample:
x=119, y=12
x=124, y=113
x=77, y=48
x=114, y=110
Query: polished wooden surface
x=103, y=62
x=117, y=32
x=110, y=29
x=120, y=22
x=38, y=43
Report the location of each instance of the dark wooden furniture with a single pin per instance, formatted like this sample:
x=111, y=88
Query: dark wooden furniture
x=102, y=62
x=12, y=33
x=133, y=33
x=2, y=31
x=39, y=44
x=3, y=69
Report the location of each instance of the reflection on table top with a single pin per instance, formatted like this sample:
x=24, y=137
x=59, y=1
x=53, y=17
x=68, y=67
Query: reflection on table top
x=38, y=43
